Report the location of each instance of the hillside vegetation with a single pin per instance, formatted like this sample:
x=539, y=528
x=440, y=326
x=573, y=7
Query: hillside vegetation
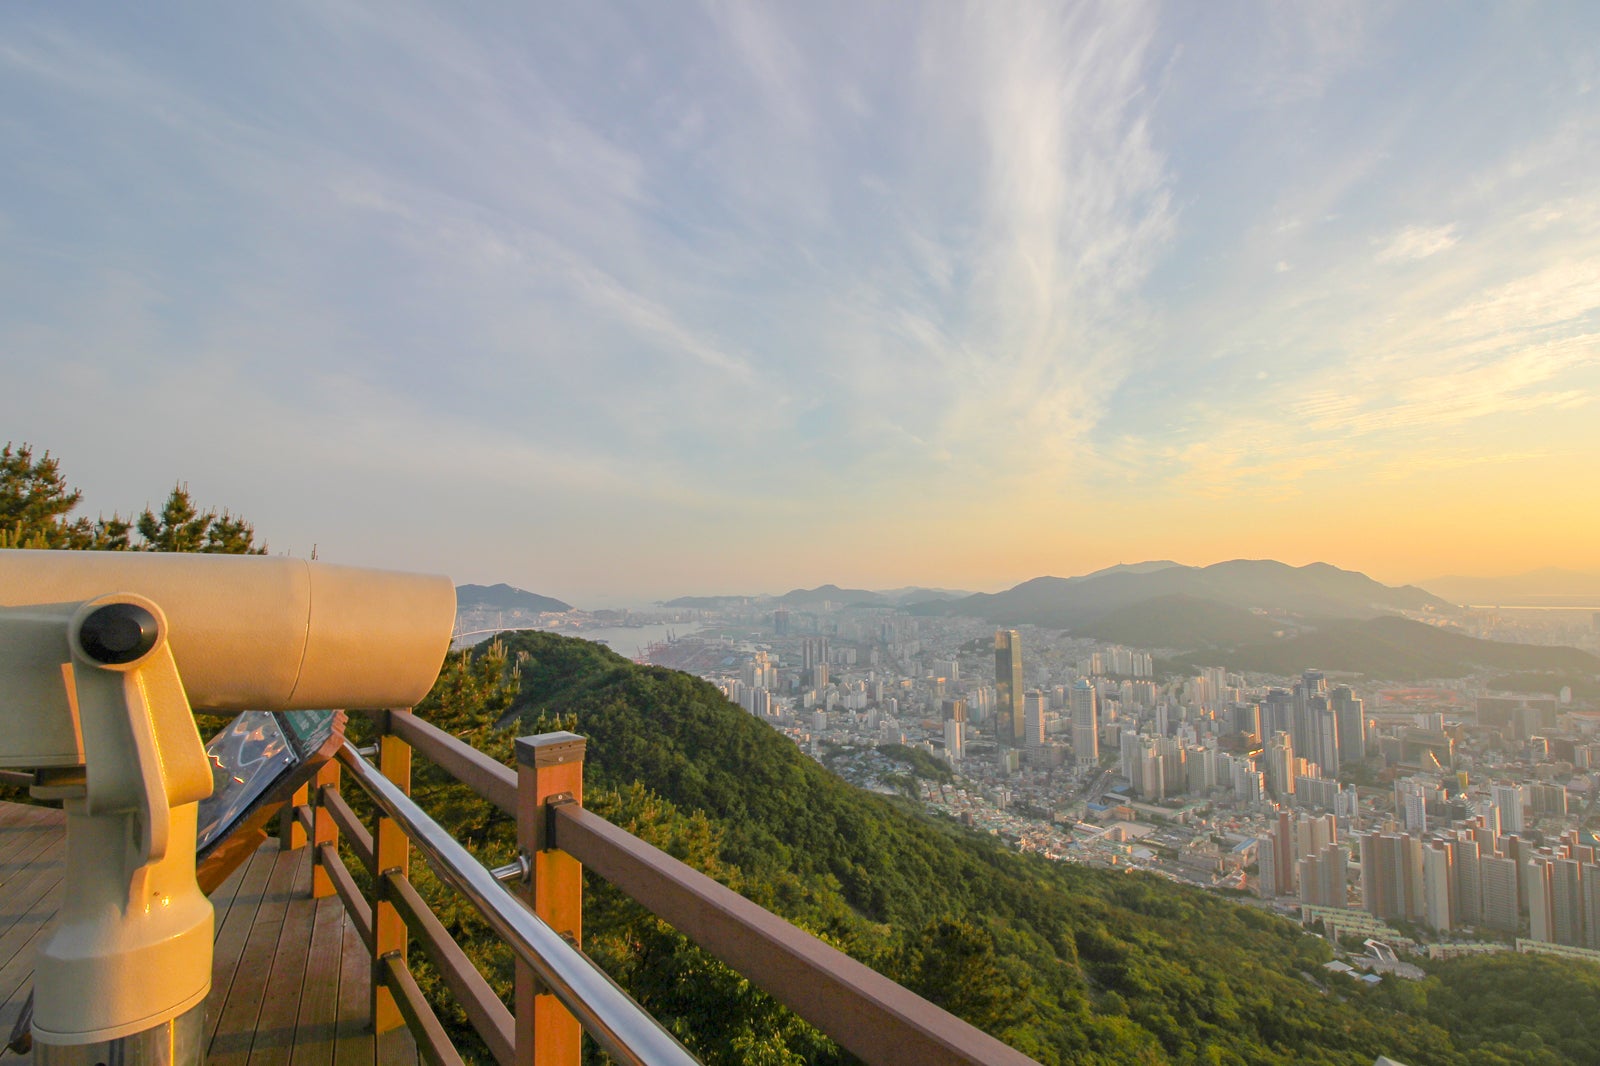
x=1067, y=963
x=1181, y=622
x=1398, y=649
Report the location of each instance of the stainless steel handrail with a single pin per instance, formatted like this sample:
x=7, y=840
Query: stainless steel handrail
x=619, y=1025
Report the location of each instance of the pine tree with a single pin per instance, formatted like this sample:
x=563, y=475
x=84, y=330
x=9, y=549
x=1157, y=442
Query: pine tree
x=34, y=500
x=183, y=527
x=35, y=503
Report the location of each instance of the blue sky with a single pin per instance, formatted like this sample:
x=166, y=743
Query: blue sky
x=622, y=301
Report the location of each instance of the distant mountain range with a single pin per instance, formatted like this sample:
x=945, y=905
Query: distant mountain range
x=503, y=597
x=707, y=603
x=1078, y=603
x=1256, y=615
x=833, y=594
x=1537, y=588
x=916, y=594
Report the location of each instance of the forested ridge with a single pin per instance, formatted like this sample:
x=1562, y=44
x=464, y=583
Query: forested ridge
x=1067, y=963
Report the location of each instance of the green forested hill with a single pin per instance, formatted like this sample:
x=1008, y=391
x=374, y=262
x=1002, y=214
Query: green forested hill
x=1397, y=649
x=1067, y=963
x=1181, y=622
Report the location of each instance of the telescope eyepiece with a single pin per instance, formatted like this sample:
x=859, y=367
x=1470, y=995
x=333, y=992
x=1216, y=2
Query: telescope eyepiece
x=118, y=633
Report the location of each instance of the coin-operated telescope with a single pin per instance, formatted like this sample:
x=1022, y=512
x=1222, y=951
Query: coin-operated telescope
x=103, y=658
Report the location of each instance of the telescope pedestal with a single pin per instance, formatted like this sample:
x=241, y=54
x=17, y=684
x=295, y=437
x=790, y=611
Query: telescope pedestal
x=179, y=1041
x=130, y=953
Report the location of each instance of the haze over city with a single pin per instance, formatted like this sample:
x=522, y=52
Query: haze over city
x=650, y=300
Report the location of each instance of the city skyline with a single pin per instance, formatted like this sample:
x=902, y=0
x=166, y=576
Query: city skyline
x=643, y=302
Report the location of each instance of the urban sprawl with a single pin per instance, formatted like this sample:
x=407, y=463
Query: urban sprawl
x=1441, y=820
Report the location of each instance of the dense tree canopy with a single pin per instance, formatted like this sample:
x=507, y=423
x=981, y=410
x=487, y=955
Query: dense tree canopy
x=36, y=505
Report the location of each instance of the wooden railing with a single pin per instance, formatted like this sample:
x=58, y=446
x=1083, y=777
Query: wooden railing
x=864, y=1012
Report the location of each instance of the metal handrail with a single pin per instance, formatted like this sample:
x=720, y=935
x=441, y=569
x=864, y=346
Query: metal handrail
x=619, y=1025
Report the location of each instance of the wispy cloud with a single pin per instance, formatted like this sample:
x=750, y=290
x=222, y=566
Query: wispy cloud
x=1418, y=242
x=780, y=263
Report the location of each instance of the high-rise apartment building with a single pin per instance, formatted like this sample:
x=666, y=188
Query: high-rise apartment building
x=1033, y=702
x=1391, y=876
x=1351, y=714
x=1085, y=723
x=1267, y=866
x=1297, y=845
x=1498, y=877
x=1323, y=875
x=1324, y=737
x=1464, y=855
x=1438, y=886
x=956, y=738
x=1304, y=724
x=1008, y=687
x=1508, y=800
x=1277, y=712
x=1591, y=908
x=1566, y=899
x=1279, y=768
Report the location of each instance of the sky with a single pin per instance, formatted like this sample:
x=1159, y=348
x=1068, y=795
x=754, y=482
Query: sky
x=624, y=301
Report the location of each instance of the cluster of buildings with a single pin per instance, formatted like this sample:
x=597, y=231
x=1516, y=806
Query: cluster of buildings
x=1451, y=811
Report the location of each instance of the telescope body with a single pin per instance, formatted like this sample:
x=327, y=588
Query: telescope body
x=247, y=633
x=103, y=658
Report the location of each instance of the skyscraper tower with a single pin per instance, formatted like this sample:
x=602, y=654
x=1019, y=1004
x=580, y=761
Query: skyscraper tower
x=1033, y=702
x=1277, y=712
x=1350, y=711
x=1324, y=736
x=1279, y=768
x=1085, y=723
x=1304, y=727
x=1008, y=687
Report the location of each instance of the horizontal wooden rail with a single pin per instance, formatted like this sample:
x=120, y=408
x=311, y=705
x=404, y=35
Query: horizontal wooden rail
x=484, y=1010
x=866, y=1013
x=359, y=909
x=432, y=1040
x=355, y=834
x=460, y=760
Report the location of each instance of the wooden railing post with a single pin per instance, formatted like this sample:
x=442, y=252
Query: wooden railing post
x=549, y=767
x=291, y=834
x=327, y=830
x=392, y=852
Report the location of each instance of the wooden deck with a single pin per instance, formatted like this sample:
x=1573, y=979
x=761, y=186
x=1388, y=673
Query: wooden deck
x=290, y=983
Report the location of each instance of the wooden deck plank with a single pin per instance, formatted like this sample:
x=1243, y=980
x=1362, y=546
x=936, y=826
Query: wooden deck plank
x=353, y=1042
x=20, y=985
x=30, y=903
x=22, y=833
x=21, y=891
x=236, y=1024
x=280, y=1008
x=318, y=1022
x=223, y=895
x=233, y=933
x=29, y=881
x=26, y=813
